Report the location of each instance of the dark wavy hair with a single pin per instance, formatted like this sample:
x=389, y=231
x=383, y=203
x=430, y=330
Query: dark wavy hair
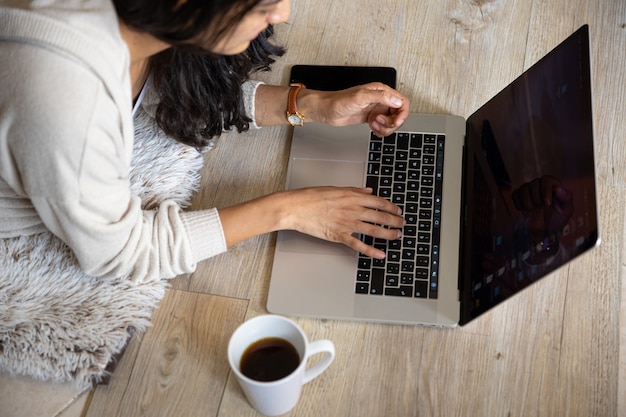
x=200, y=92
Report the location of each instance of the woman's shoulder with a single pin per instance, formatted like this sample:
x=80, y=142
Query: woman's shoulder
x=88, y=36
x=60, y=80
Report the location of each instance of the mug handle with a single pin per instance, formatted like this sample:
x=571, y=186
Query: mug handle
x=319, y=346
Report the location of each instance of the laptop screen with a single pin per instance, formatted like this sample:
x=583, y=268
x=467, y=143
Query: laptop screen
x=530, y=193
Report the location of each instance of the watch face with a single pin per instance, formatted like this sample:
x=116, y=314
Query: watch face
x=295, y=120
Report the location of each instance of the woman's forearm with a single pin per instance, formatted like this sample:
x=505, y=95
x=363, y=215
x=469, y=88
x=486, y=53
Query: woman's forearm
x=255, y=217
x=271, y=104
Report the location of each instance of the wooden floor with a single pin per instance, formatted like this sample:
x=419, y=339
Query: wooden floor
x=554, y=350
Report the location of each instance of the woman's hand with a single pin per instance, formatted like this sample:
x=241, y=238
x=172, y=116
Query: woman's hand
x=342, y=214
x=331, y=213
x=377, y=104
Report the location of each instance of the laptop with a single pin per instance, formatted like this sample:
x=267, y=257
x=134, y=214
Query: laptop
x=493, y=203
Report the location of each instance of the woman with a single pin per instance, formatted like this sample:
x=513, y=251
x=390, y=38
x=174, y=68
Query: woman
x=71, y=72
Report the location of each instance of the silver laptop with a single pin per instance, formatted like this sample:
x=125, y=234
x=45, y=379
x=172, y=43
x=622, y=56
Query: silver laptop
x=493, y=203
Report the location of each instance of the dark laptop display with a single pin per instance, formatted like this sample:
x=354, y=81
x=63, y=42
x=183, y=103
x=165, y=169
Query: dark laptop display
x=530, y=203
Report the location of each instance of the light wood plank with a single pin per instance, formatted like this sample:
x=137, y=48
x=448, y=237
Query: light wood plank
x=621, y=383
x=179, y=367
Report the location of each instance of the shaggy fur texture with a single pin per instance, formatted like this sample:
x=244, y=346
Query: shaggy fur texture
x=56, y=323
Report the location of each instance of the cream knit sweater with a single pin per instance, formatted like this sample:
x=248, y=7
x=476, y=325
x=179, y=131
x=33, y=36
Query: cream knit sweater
x=66, y=139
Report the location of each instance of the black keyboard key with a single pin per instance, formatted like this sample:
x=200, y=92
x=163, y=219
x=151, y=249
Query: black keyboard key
x=429, y=159
x=424, y=226
x=426, y=192
x=364, y=262
x=376, y=146
x=421, y=289
x=372, y=182
x=423, y=237
x=416, y=140
x=402, y=155
x=362, y=288
x=399, y=176
x=393, y=256
x=397, y=199
x=399, y=188
x=411, y=208
x=410, y=218
x=402, y=141
x=404, y=291
x=378, y=281
x=406, y=279
x=393, y=268
x=423, y=249
x=407, y=266
x=412, y=196
x=392, y=281
x=421, y=273
x=387, y=160
x=395, y=244
x=426, y=203
x=428, y=170
x=373, y=168
x=363, y=276
x=409, y=241
x=422, y=261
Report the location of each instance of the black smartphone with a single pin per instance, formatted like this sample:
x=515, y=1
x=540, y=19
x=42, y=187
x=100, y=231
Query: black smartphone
x=338, y=77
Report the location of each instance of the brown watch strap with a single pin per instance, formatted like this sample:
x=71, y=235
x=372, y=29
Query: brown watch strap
x=293, y=93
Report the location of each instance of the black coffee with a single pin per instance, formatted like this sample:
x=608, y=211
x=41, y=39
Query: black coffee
x=269, y=359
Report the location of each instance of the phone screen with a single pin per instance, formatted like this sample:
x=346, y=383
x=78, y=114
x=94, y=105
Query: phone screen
x=336, y=77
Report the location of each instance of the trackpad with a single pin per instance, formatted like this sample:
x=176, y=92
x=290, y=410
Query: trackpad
x=291, y=241
x=317, y=172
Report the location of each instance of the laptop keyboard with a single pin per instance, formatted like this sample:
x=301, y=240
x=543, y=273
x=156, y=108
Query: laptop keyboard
x=407, y=169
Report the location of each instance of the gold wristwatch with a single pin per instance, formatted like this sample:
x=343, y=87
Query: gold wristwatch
x=293, y=116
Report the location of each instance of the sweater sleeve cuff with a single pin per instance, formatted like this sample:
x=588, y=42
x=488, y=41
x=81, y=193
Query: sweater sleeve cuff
x=249, y=95
x=206, y=236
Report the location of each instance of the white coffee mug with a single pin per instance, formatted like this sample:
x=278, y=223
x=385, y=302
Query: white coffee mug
x=277, y=397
